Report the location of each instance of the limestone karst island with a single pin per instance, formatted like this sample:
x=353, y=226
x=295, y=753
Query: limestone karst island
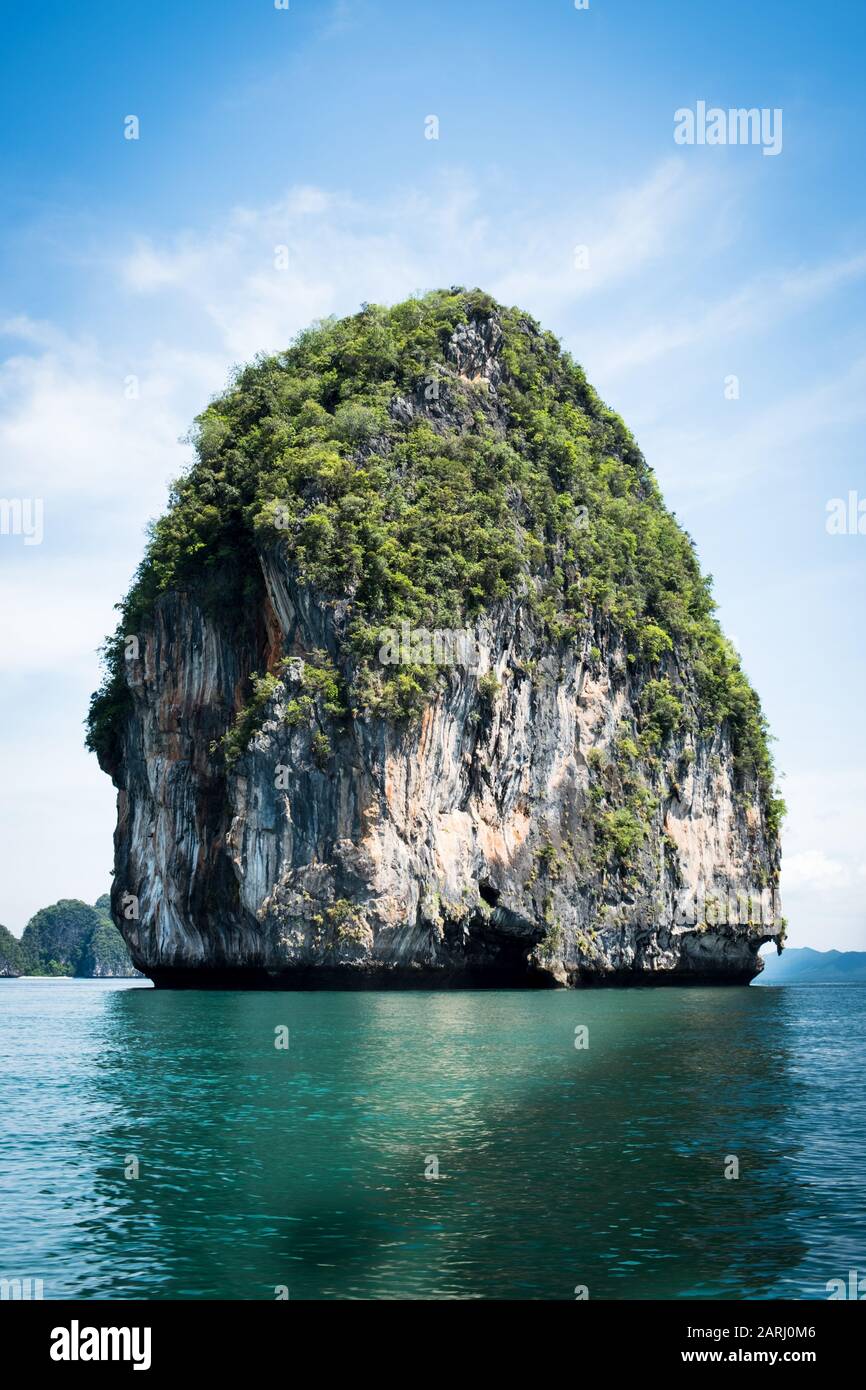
x=419, y=683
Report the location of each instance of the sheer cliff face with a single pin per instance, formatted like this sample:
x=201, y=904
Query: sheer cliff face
x=517, y=829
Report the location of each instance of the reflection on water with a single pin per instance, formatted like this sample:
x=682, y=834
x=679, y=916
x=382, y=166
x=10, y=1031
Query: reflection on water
x=306, y=1167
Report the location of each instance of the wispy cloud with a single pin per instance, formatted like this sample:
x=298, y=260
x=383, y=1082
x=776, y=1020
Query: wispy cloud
x=708, y=463
x=760, y=305
x=267, y=271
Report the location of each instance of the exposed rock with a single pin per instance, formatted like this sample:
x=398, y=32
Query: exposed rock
x=458, y=845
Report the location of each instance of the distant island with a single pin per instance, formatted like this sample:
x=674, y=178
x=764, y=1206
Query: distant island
x=68, y=938
x=803, y=966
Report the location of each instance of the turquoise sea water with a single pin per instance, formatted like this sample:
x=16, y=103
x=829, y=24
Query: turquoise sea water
x=305, y=1168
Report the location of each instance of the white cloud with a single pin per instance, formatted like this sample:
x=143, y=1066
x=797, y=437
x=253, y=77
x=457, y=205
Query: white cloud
x=340, y=250
x=69, y=423
x=823, y=865
x=337, y=251
x=813, y=868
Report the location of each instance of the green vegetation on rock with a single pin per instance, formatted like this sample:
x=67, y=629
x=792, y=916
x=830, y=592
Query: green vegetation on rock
x=528, y=487
x=72, y=938
x=104, y=953
x=320, y=693
x=11, y=960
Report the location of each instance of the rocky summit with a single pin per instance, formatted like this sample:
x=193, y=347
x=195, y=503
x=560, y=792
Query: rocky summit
x=420, y=683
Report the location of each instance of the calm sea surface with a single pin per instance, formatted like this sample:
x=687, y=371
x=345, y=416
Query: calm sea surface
x=305, y=1168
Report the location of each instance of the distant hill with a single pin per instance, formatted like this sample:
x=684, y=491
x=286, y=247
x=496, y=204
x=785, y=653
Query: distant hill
x=68, y=938
x=803, y=966
x=10, y=954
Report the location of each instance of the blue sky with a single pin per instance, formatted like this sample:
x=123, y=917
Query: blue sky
x=304, y=128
